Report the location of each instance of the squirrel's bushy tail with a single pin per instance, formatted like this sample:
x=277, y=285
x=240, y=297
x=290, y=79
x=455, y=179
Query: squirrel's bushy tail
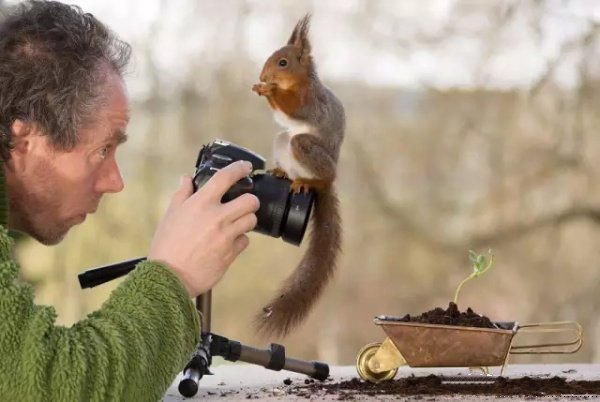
x=303, y=287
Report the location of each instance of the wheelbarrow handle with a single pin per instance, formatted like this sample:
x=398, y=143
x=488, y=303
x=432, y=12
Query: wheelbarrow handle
x=572, y=345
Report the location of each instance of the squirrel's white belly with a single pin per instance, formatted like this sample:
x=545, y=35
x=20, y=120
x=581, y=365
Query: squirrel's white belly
x=292, y=126
x=283, y=156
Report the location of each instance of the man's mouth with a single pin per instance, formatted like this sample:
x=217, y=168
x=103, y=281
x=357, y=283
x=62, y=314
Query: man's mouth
x=79, y=219
x=94, y=208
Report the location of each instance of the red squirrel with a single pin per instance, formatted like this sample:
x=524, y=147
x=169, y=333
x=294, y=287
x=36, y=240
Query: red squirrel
x=307, y=153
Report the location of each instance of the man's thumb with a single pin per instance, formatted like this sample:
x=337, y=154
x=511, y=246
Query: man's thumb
x=183, y=192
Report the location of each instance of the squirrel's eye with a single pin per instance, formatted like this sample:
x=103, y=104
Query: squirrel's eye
x=282, y=62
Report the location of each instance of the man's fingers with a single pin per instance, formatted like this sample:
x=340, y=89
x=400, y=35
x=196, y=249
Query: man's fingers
x=242, y=225
x=183, y=192
x=240, y=206
x=240, y=244
x=225, y=178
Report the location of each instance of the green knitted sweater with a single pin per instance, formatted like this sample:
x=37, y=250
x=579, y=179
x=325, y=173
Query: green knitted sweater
x=131, y=349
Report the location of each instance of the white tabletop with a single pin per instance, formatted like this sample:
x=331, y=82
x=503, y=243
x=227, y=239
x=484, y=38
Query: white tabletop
x=241, y=381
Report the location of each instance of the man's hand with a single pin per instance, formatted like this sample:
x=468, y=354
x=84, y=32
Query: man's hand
x=198, y=236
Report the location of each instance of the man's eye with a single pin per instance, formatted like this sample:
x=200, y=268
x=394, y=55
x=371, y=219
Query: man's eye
x=104, y=151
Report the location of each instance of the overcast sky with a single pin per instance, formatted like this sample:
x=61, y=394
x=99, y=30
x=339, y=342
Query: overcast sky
x=373, y=54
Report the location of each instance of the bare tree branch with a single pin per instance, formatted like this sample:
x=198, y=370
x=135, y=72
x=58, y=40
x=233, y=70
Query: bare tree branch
x=408, y=225
x=565, y=49
x=511, y=233
x=377, y=193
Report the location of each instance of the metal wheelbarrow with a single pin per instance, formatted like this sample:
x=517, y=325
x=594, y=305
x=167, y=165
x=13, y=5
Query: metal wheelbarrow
x=435, y=345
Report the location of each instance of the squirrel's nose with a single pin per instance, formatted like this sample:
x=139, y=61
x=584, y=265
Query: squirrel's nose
x=264, y=77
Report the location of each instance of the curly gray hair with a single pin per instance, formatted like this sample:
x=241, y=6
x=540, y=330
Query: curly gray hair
x=53, y=57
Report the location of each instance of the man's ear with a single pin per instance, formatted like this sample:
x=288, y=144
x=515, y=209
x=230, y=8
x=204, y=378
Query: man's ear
x=22, y=133
x=24, y=138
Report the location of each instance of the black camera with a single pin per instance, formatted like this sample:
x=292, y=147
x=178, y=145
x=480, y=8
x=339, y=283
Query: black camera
x=282, y=213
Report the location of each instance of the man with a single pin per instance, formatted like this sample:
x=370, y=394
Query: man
x=63, y=113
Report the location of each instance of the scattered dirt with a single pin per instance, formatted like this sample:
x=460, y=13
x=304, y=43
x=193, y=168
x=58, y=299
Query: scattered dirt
x=451, y=316
x=437, y=385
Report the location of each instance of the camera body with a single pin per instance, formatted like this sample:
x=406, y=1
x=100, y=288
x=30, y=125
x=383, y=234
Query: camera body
x=281, y=213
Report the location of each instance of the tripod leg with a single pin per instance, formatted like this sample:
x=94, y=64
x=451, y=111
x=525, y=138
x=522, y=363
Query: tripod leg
x=204, y=307
x=196, y=368
x=201, y=360
x=273, y=358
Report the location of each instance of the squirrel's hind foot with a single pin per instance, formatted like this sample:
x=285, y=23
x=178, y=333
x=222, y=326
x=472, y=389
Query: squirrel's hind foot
x=299, y=186
x=305, y=185
x=278, y=172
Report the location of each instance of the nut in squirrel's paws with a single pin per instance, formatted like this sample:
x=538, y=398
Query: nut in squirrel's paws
x=264, y=89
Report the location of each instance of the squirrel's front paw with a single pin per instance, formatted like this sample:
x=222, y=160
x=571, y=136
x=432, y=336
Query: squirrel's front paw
x=263, y=89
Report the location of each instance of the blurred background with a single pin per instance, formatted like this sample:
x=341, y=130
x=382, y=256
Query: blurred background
x=470, y=125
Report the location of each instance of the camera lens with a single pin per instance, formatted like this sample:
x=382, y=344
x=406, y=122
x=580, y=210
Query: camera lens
x=281, y=213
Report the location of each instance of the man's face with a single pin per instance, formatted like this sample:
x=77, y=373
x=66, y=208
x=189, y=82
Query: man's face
x=50, y=191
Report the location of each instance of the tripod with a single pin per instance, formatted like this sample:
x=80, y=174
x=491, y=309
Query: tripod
x=212, y=344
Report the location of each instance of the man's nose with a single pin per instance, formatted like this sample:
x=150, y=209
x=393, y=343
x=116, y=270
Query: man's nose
x=110, y=180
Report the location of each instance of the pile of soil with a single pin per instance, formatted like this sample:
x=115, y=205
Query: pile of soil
x=437, y=385
x=451, y=316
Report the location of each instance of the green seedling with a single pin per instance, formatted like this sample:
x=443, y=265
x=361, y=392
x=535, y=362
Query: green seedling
x=480, y=265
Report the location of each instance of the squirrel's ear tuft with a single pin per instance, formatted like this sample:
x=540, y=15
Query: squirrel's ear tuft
x=299, y=37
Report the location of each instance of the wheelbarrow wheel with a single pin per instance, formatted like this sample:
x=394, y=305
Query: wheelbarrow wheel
x=362, y=365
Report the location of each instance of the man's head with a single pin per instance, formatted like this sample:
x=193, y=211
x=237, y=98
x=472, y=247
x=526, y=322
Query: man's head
x=63, y=111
